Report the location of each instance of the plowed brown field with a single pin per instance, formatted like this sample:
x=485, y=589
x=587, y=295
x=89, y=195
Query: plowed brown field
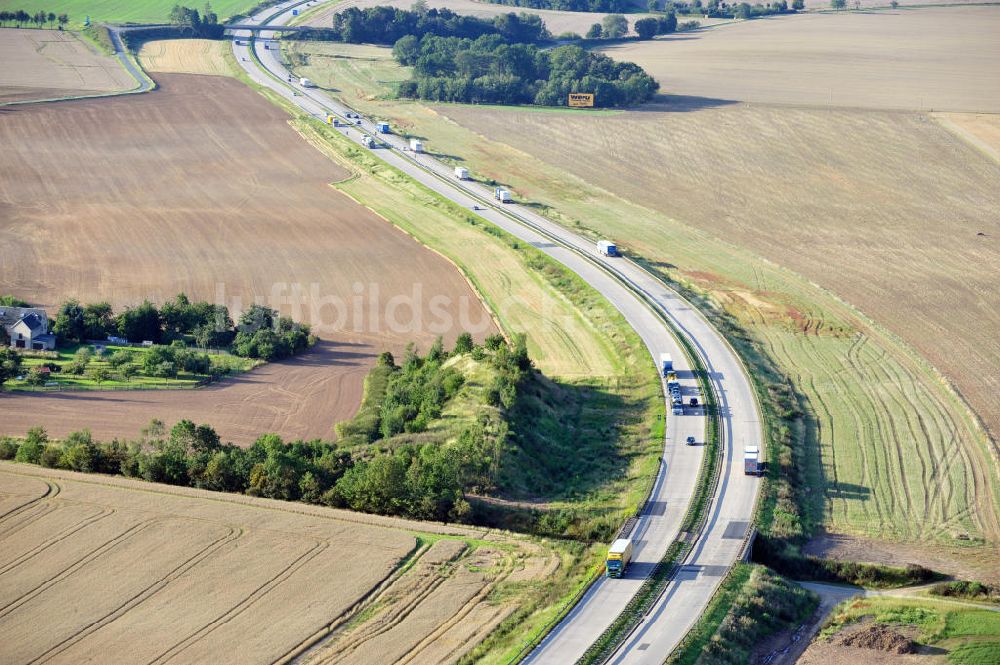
x=202, y=187
x=49, y=64
x=89, y=563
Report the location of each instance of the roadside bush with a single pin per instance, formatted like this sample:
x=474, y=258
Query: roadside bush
x=966, y=589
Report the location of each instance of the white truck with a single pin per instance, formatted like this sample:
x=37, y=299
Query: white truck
x=306, y=83
x=607, y=248
x=501, y=195
x=461, y=173
x=416, y=145
x=751, y=461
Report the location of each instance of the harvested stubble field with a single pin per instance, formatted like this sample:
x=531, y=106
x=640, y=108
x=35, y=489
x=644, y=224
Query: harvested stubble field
x=186, y=56
x=881, y=208
x=940, y=59
x=207, y=577
x=202, y=187
x=49, y=64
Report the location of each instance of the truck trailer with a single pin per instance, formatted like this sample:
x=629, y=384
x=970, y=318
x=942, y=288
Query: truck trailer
x=501, y=195
x=306, y=83
x=383, y=128
x=619, y=557
x=416, y=145
x=607, y=248
x=751, y=461
x=461, y=173
x=666, y=364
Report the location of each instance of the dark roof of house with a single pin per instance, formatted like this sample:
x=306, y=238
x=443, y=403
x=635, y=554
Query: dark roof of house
x=34, y=322
x=11, y=315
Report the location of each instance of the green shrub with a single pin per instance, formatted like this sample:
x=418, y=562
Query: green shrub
x=8, y=448
x=30, y=451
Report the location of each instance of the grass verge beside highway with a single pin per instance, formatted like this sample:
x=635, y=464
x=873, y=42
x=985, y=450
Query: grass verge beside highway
x=750, y=604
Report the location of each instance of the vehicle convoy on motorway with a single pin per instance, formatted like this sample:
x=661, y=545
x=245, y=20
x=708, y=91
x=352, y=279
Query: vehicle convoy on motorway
x=619, y=557
x=660, y=316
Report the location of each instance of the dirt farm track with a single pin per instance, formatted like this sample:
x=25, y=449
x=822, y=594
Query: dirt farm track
x=202, y=187
x=88, y=564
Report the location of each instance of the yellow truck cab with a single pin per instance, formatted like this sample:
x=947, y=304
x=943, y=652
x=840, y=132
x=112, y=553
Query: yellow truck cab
x=619, y=556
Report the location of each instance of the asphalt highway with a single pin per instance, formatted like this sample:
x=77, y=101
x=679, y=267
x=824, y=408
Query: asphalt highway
x=648, y=305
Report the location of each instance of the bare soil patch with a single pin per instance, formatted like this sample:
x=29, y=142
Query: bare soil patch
x=299, y=398
x=961, y=563
x=202, y=187
x=869, y=643
x=185, y=56
x=48, y=64
x=880, y=638
x=204, y=577
x=934, y=59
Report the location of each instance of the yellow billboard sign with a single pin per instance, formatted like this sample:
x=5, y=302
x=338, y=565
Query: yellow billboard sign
x=580, y=100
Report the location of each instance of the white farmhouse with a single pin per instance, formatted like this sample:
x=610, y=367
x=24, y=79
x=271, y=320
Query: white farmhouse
x=28, y=328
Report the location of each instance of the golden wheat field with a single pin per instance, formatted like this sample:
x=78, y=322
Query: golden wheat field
x=101, y=569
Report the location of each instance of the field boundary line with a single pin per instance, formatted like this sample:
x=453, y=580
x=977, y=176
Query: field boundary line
x=314, y=641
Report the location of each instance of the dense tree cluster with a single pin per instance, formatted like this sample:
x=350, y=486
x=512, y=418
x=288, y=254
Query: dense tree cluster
x=203, y=24
x=261, y=333
x=386, y=25
x=21, y=18
x=489, y=70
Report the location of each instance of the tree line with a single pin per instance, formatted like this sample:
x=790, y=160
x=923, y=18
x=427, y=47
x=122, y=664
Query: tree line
x=489, y=70
x=410, y=479
x=612, y=6
x=615, y=26
x=386, y=25
x=710, y=9
x=259, y=333
x=39, y=18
